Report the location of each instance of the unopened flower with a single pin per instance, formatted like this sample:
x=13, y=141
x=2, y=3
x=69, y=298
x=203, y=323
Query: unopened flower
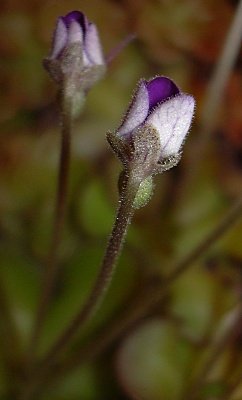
x=76, y=52
x=154, y=128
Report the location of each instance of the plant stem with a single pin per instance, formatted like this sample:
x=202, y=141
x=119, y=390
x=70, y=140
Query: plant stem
x=215, y=90
x=146, y=300
x=124, y=214
x=143, y=306
x=50, y=273
x=223, y=70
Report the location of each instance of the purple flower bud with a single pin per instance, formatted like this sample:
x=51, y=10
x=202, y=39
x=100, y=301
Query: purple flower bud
x=76, y=51
x=154, y=128
x=160, y=104
x=75, y=28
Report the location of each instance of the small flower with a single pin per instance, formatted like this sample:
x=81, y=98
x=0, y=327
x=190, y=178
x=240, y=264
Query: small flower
x=75, y=28
x=76, y=51
x=154, y=128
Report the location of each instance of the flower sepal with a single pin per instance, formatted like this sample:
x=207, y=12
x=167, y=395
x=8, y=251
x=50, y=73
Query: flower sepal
x=120, y=147
x=141, y=153
x=146, y=148
x=71, y=65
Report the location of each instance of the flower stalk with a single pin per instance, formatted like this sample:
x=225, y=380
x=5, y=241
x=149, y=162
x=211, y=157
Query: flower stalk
x=142, y=306
x=75, y=63
x=128, y=192
x=147, y=142
x=154, y=293
x=51, y=270
x=124, y=214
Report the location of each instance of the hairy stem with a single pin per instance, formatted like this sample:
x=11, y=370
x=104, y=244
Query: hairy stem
x=124, y=214
x=102, y=283
x=146, y=300
x=51, y=270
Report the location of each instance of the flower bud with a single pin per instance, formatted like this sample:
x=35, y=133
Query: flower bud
x=76, y=52
x=154, y=128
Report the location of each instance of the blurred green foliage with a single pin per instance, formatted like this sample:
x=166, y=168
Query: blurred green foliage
x=158, y=357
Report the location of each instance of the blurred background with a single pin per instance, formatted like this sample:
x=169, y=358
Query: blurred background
x=188, y=345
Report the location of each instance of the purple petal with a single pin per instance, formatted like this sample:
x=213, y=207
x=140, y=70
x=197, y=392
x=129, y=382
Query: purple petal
x=93, y=46
x=160, y=89
x=59, y=38
x=172, y=119
x=137, y=111
x=75, y=33
x=77, y=16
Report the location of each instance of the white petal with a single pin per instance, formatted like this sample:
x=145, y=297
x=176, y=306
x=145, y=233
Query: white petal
x=172, y=119
x=93, y=46
x=75, y=33
x=59, y=39
x=137, y=111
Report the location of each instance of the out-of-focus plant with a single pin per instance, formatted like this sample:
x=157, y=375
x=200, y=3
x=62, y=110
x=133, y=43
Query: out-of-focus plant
x=174, y=330
x=76, y=63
